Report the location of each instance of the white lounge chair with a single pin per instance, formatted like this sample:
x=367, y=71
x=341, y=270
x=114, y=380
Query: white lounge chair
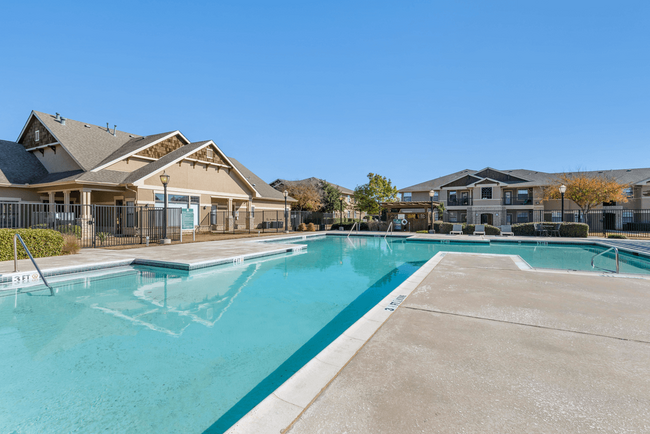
x=479, y=230
x=506, y=230
x=456, y=230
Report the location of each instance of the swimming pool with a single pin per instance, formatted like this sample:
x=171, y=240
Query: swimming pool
x=158, y=350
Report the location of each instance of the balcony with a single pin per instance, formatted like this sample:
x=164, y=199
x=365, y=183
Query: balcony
x=462, y=201
x=517, y=201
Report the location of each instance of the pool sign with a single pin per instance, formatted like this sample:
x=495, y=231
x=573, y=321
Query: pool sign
x=187, y=219
x=21, y=279
x=396, y=302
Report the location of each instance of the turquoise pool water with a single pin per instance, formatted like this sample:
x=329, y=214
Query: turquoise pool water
x=142, y=349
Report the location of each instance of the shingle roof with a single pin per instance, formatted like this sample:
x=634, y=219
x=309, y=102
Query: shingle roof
x=535, y=178
x=87, y=144
x=132, y=146
x=157, y=165
x=316, y=182
x=264, y=189
x=18, y=166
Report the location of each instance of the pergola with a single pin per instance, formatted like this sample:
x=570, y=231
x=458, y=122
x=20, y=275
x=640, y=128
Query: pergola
x=417, y=214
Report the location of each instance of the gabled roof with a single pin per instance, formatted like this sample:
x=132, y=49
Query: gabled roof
x=134, y=146
x=18, y=166
x=87, y=144
x=264, y=189
x=110, y=177
x=164, y=161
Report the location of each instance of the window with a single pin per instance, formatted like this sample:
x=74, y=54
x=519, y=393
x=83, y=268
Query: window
x=348, y=213
x=253, y=211
x=522, y=217
x=130, y=214
x=435, y=196
x=577, y=217
x=522, y=195
x=210, y=153
x=452, y=198
x=177, y=198
x=628, y=217
x=486, y=193
x=628, y=192
x=556, y=216
x=347, y=199
x=37, y=135
x=213, y=214
x=453, y=216
x=406, y=197
x=508, y=219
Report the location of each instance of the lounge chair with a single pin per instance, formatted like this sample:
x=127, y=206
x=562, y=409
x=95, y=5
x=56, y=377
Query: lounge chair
x=456, y=230
x=479, y=230
x=540, y=230
x=506, y=230
x=555, y=231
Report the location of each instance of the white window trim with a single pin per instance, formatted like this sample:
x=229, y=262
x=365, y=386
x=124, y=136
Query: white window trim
x=37, y=135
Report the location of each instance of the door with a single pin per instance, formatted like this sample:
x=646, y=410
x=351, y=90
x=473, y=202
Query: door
x=508, y=197
x=486, y=219
x=118, y=215
x=609, y=221
x=463, y=198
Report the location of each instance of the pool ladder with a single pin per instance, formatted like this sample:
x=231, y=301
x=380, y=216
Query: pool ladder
x=615, y=249
x=351, y=229
x=19, y=238
x=390, y=227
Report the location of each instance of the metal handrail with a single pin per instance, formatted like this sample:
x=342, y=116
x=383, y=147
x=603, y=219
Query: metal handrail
x=390, y=226
x=602, y=253
x=18, y=237
x=351, y=229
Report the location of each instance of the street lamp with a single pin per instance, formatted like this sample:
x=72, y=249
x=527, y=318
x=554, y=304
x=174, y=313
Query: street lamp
x=562, y=191
x=164, y=178
x=286, y=226
x=431, y=199
x=341, y=208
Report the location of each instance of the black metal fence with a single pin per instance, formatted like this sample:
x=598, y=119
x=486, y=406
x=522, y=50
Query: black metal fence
x=95, y=225
x=602, y=222
x=264, y=221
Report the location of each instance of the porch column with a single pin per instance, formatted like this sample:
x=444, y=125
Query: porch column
x=52, y=206
x=85, y=203
x=250, y=221
x=230, y=221
x=66, y=201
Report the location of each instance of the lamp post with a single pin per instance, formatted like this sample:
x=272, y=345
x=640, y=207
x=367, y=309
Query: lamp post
x=286, y=226
x=562, y=191
x=431, y=199
x=164, y=178
x=341, y=209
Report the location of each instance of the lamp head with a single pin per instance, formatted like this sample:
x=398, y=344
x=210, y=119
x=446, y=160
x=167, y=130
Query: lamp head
x=562, y=189
x=164, y=178
x=286, y=194
x=431, y=193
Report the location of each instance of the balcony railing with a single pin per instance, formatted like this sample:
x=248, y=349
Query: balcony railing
x=462, y=201
x=517, y=201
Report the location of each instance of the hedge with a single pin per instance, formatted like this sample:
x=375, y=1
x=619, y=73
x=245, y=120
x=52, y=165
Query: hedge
x=569, y=230
x=40, y=242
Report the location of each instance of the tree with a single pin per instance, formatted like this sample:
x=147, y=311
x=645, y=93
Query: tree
x=369, y=195
x=307, y=197
x=330, y=197
x=586, y=190
x=441, y=210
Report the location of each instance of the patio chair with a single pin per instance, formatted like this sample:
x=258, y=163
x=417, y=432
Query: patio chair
x=540, y=230
x=506, y=230
x=456, y=230
x=479, y=230
x=556, y=230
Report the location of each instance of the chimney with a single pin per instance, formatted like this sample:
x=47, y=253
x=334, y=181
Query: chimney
x=58, y=117
x=114, y=129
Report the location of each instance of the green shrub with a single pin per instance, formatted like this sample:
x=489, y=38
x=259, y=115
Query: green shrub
x=40, y=242
x=421, y=232
x=617, y=236
x=445, y=228
x=569, y=230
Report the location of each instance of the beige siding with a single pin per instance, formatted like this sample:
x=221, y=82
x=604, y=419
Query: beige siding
x=55, y=162
x=23, y=194
x=196, y=177
x=128, y=165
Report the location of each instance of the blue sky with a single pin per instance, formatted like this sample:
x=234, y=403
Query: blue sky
x=411, y=90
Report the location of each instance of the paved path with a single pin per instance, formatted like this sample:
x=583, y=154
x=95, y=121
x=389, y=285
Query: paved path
x=483, y=347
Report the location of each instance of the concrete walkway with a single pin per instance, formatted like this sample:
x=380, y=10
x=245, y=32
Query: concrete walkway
x=483, y=347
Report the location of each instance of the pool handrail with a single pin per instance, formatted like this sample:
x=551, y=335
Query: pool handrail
x=351, y=229
x=18, y=237
x=602, y=253
x=390, y=226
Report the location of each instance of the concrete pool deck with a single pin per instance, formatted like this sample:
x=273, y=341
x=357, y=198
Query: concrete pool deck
x=482, y=346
